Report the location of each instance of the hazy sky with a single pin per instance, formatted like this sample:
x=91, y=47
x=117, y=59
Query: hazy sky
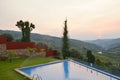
x=87, y=19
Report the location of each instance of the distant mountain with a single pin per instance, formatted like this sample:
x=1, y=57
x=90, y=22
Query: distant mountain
x=56, y=42
x=111, y=46
x=106, y=43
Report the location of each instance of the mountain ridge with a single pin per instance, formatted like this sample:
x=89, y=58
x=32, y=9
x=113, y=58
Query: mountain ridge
x=111, y=46
x=106, y=43
x=56, y=42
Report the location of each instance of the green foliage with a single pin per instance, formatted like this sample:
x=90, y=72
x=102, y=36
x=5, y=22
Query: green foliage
x=65, y=46
x=75, y=54
x=18, y=40
x=106, y=58
x=90, y=57
x=31, y=51
x=26, y=28
x=107, y=61
x=8, y=36
x=98, y=62
x=115, y=51
x=108, y=64
x=11, y=55
x=58, y=55
x=21, y=26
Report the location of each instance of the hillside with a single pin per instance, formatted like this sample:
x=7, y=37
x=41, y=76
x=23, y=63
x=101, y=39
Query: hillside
x=111, y=46
x=56, y=42
x=106, y=43
x=114, y=51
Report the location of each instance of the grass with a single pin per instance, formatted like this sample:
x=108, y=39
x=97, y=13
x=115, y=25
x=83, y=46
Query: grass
x=7, y=69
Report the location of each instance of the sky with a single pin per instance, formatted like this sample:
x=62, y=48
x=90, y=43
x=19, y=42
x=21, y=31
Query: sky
x=87, y=19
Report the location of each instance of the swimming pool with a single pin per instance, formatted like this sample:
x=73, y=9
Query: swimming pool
x=65, y=70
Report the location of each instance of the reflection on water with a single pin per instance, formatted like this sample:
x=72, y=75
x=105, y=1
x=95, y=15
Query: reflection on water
x=66, y=69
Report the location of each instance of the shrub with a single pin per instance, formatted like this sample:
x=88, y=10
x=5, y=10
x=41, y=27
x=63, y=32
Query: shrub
x=10, y=55
x=90, y=57
x=98, y=62
x=76, y=54
x=3, y=58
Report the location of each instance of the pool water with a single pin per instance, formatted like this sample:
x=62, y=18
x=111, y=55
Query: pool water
x=67, y=70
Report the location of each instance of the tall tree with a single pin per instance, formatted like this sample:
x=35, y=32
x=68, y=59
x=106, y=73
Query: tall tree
x=27, y=32
x=90, y=57
x=29, y=27
x=21, y=26
x=26, y=28
x=65, y=46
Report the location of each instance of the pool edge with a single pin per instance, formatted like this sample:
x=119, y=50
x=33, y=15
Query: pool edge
x=24, y=74
x=28, y=76
x=90, y=67
x=57, y=61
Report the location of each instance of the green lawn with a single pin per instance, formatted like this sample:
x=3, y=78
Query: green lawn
x=7, y=69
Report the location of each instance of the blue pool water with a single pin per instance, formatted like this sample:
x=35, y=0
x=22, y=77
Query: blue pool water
x=67, y=70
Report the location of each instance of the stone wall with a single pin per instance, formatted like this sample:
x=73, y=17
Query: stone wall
x=3, y=49
x=26, y=53
x=3, y=52
x=18, y=52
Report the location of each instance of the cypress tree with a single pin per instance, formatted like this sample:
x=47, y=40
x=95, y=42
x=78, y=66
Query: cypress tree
x=65, y=46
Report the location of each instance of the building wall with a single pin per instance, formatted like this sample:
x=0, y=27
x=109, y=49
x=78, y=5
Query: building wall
x=19, y=45
x=3, y=39
x=51, y=53
x=16, y=45
x=21, y=48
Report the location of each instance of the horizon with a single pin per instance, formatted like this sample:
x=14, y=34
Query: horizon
x=69, y=38
x=87, y=20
